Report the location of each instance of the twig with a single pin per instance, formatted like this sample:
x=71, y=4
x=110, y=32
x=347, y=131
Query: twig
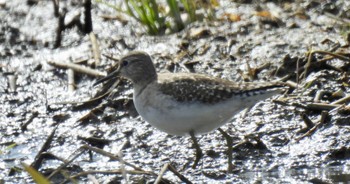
x=342, y=100
x=60, y=27
x=88, y=21
x=308, y=133
x=161, y=173
x=324, y=115
x=66, y=163
x=260, y=68
x=38, y=158
x=122, y=163
x=321, y=106
x=335, y=55
x=309, y=124
x=110, y=57
x=239, y=144
x=71, y=81
x=343, y=20
x=12, y=82
x=319, y=95
x=292, y=84
x=308, y=64
x=56, y=6
x=77, y=68
x=83, y=148
x=182, y=177
x=90, y=114
x=30, y=120
x=95, y=48
x=297, y=71
x=111, y=156
x=117, y=171
x=52, y=156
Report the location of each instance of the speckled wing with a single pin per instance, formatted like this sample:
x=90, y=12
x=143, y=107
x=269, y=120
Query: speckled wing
x=195, y=87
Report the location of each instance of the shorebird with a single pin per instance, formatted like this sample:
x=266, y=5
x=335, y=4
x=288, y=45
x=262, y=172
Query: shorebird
x=188, y=103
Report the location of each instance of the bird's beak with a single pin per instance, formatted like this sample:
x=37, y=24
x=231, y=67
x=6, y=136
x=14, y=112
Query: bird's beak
x=110, y=76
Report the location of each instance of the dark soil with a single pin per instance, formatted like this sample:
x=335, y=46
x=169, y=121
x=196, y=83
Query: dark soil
x=286, y=139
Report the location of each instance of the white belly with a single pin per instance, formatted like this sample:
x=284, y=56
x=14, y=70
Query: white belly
x=178, y=118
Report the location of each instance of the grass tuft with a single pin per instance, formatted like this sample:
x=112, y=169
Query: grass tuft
x=168, y=18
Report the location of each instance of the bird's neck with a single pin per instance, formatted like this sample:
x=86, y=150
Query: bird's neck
x=141, y=84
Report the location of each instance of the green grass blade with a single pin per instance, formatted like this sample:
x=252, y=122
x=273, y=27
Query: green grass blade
x=175, y=12
x=37, y=177
x=190, y=8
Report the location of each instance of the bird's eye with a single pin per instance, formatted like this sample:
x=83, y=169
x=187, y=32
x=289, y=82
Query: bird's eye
x=125, y=63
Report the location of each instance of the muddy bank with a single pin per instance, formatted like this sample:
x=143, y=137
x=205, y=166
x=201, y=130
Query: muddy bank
x=274, y=143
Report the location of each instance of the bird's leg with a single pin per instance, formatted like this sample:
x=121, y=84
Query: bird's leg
x=229, y=142
x=199, y=153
